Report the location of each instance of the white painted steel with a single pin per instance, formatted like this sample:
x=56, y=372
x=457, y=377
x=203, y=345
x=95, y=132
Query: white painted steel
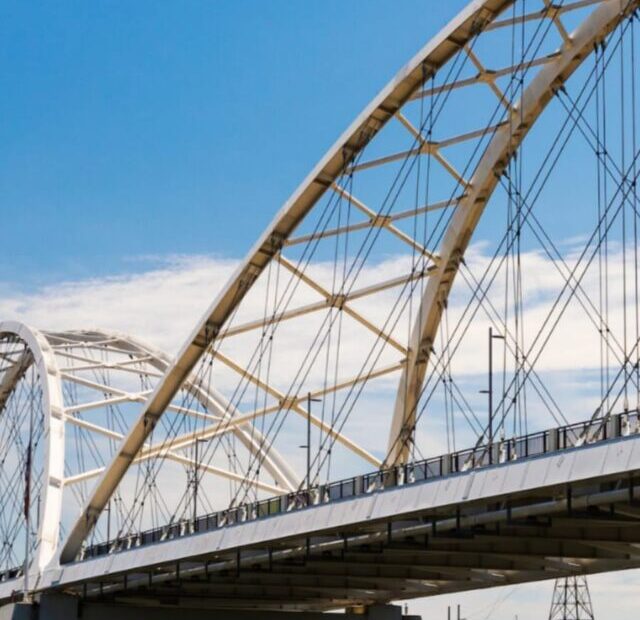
x=504, y=143
x=553, y=71
x=53, y=453
x=591, y=462
x=372, y=119
x=49, y=351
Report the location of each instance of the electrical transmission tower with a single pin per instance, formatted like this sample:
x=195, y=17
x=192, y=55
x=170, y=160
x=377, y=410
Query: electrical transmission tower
x=571, y=599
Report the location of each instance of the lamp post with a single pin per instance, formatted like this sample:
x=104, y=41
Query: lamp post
x=308, y=444
x=195, y=480
x=489, y=391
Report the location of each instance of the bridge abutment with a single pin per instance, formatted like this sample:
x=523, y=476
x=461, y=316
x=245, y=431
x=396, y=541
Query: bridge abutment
x=18, y=611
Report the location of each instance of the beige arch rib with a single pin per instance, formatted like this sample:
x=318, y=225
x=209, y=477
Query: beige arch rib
x=499, y=151
x=374, y=117
x=437, y=52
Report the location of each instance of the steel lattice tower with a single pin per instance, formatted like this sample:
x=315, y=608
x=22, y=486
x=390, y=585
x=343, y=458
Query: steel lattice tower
x=571, y=599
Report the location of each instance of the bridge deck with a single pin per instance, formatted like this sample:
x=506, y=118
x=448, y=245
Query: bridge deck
x=565, y=504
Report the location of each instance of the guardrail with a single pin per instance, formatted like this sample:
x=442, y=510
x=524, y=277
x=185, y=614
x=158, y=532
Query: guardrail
x=531, y=445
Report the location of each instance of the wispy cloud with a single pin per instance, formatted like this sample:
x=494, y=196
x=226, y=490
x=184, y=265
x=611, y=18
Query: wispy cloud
x=612, y=594
x=161, y=305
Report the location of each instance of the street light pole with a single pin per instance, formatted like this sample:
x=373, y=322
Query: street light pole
x=196, y=481
x=308, y=444
x=195, y=485
x=489, y=392
x=309, y=440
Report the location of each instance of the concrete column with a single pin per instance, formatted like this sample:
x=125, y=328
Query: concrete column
x=17, y=611
x=58, y=607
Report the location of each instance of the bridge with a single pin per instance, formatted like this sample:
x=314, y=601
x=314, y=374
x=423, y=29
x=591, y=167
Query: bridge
x=554, y=503
x=283, y=461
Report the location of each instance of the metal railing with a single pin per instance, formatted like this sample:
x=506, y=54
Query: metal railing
x=505, y=451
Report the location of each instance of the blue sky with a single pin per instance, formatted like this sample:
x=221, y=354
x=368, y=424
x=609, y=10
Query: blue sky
x=136, y=131
x=155, y=128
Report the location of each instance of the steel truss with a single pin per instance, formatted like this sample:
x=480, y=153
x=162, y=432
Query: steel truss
x=91, y=384
x=316, y=276
x=571, y=599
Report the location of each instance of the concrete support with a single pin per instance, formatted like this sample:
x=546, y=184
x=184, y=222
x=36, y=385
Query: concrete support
x=17, y=611
x=61, y=607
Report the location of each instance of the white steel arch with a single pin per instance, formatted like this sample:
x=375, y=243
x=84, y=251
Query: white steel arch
x=209, y=398
x=95, y=362
x=505, y=137
x=504, y=143
x=52, y=402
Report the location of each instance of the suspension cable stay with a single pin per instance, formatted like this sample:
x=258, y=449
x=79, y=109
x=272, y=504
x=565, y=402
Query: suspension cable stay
x=489, y=188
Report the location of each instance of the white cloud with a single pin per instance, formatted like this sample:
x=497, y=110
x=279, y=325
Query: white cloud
x=162, y=305
x=612, y=595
